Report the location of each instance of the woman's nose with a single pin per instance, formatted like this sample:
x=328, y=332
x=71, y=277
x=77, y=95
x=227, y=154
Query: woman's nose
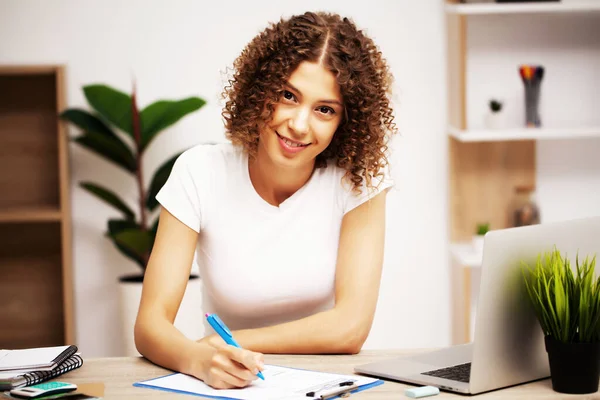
x=299, y=122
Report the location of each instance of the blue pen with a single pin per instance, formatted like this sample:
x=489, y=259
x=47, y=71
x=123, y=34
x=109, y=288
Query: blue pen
x=223, y=331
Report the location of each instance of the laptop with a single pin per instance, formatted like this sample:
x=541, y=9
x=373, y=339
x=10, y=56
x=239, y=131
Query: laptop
x=508, y=343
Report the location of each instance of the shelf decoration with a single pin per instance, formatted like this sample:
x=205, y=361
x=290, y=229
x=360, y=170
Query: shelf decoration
x=493, y=119
x=532, y=76
x=477, y=241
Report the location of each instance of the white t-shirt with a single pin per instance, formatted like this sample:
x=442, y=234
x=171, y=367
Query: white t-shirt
x=260, y=264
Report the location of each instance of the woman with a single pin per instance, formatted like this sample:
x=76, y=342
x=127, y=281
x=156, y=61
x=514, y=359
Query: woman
x=287, y=221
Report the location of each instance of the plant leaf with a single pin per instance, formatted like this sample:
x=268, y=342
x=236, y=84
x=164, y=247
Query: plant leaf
x=158, y=180
x=113, y=105
x=109, y=197
x=109, y=147
x=86, y=121
x=153, y=230
x=163, y=113
x=116, y=226
x=135, y=241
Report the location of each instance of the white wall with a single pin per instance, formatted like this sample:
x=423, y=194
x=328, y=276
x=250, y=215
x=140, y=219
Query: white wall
x=179, y=48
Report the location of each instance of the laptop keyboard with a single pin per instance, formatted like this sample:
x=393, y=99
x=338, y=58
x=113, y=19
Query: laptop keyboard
x=460, y=372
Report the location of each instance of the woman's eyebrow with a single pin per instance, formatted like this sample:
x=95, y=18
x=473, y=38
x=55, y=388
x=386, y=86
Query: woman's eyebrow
x=320, y=101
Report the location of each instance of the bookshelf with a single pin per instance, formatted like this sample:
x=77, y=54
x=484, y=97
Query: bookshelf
x=494, y=135
x=573, y=6
x=485, y=42
x=35, y=217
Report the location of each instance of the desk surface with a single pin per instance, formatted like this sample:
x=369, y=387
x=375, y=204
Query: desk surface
x=118, y=375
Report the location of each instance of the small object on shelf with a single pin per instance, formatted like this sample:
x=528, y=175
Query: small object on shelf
x=532, y=76
x=482, y=229
x=493, y=118
x=525, y=210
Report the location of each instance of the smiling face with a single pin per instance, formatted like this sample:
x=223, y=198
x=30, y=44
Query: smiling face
x=304, y=120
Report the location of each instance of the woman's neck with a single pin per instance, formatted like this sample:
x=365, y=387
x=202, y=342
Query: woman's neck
x=274, y=183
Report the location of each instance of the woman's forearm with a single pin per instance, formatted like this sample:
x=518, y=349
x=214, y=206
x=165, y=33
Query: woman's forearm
x=328, y=332
x=163, y=344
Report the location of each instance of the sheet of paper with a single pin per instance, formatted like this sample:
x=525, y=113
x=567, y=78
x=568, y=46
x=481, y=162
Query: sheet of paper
x=280, y=383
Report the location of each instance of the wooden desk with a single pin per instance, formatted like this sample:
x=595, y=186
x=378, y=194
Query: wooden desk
x=118, y=375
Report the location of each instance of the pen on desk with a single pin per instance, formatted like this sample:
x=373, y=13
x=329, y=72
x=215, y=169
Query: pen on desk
x=337, y=389
x=223, y=331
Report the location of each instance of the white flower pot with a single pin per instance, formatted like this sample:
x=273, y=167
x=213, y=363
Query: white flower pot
x=477, y=243
x=494, y=120
x=188, y=320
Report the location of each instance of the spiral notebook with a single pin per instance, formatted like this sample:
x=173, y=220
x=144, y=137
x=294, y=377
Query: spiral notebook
x=11, y=380
x=35, y=359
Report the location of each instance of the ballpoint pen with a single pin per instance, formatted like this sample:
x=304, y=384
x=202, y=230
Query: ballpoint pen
x=223, y=331
x=330, y=393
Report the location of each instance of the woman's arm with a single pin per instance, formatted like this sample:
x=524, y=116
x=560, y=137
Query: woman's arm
x=156, y=337
x=344, y=328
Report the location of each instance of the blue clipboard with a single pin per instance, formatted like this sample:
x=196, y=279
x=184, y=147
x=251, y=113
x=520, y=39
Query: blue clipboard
x=149, y=385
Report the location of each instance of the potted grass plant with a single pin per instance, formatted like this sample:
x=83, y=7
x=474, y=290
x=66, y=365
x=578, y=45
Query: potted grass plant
x=480, y=230
x=494, y=116
x=116, y=130
x=566, y=302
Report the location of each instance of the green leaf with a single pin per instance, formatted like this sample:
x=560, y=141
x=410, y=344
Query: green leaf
x=116, y=226
x=135, y=241
x=109, y=197
x=86, y=121
x=111, y=104
x=109, y=147
x=161, y=114
x=153, y=230
x=154, y=227
x=158, y=180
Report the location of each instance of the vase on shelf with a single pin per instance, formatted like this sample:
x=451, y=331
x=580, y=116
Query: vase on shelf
x=532, y=76
x=524, y=209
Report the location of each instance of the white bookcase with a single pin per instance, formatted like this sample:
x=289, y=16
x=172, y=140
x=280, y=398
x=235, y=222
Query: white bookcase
x=485, y=45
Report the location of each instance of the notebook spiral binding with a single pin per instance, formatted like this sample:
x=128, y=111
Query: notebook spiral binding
x=73, y=362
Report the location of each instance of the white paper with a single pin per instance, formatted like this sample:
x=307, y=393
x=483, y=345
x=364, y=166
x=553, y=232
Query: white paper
x=280, y=383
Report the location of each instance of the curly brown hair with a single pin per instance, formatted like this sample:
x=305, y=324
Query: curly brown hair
x=359, y=145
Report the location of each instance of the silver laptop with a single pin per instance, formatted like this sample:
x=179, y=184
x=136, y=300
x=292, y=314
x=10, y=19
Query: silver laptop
x=508, y=344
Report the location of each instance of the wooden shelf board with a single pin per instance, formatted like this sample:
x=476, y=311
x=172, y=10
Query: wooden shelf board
x=28, y=69
x=465, y=255
x=498, y=135
x=33, y=214
x=523, y=8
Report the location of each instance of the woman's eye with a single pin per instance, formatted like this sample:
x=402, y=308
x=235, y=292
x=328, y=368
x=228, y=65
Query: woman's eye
x=326, y=110
x=288, y=95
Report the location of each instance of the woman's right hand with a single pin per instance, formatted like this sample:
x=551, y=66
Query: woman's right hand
x=222, y=366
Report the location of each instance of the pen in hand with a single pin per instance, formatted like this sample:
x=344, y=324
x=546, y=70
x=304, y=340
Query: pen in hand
x=223, y=331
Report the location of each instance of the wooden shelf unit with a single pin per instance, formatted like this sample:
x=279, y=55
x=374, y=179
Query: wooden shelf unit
x=36, y=283
x=484, y=135
x=523, y=8
x=486, y=165
x=483, y=174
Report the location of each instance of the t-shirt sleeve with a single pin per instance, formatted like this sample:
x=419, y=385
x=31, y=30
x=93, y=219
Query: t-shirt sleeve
x=380, y=184
x=181, y=194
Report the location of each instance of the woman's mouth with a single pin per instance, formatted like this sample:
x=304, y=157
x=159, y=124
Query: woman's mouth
x=291, y=146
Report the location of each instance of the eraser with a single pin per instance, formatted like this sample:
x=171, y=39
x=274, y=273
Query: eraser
x=422, y=391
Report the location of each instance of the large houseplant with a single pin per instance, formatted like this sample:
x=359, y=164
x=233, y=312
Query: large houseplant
x=567, y=305
x=120, y=133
